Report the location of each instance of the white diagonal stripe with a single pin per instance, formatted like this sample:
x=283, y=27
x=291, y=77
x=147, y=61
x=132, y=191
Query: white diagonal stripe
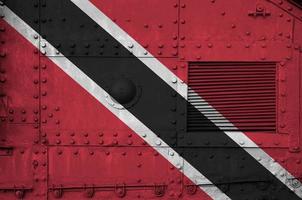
x=179, y=86
x=123, y=114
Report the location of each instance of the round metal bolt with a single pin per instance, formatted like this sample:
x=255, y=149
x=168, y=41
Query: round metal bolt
x=174, y=80
x=20, y=194
x=158, y=142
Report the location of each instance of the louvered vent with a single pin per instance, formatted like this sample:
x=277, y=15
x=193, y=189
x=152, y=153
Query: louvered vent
x=244, y=93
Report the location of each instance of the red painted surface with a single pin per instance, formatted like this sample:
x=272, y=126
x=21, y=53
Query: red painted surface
x=86, y=142
x=82, y=144
x=259, y=31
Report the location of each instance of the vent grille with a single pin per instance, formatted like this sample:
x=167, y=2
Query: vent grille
x=244, y=93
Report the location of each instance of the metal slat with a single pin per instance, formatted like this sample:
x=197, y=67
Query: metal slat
x=244, y=93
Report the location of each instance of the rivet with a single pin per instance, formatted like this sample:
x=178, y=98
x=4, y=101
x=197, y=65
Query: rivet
x=158, y=142
x=174, y=80
x=60, y=152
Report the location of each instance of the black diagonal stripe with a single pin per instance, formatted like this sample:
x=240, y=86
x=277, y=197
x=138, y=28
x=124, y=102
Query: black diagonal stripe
x=230, y=168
